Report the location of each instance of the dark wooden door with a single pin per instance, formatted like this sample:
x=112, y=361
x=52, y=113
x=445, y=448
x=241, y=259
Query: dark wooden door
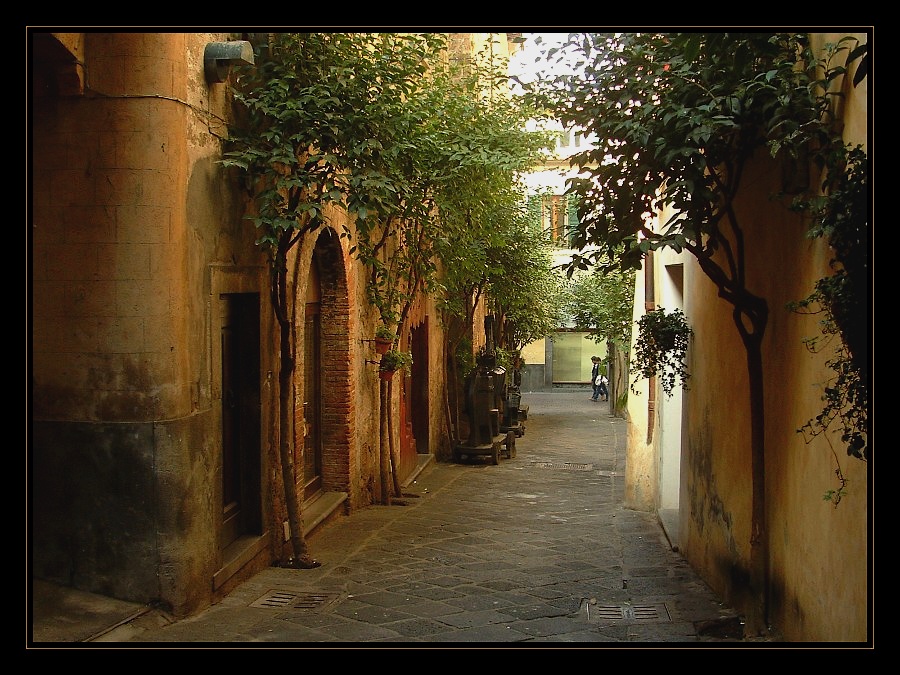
x=241, y=507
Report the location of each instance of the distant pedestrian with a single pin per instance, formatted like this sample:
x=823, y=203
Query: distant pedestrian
x=599, y=381
x=595, y=377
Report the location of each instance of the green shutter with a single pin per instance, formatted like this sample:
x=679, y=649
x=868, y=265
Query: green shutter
x=572, y=221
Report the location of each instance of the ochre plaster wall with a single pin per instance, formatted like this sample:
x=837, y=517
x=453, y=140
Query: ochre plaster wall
x=818, y=553
x=137, y=233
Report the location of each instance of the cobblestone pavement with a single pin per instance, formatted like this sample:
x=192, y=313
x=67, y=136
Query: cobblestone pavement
x=536, y=550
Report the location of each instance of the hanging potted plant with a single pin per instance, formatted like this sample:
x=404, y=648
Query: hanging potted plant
x=392, y=361
x=384, y=338
x=661, y=348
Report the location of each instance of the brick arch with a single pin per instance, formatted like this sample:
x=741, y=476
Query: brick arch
x=337, y=422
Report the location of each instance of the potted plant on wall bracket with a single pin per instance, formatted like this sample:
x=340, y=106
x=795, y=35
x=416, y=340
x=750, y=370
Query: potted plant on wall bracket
x=392, y=361
x=384, y=338
x=661, y=348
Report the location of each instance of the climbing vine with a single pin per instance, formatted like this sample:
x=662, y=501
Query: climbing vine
x=840, y=215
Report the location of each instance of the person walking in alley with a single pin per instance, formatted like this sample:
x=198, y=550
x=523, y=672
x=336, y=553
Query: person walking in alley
x=595, y=377
x=604, y=386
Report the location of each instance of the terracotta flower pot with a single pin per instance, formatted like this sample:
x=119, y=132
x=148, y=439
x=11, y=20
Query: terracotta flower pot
x=386, y=374
x=382, y=345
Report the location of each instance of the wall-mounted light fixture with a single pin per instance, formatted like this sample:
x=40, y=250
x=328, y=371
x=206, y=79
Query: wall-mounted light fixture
x=218, y=57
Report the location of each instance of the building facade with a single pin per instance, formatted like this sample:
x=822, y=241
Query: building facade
x=689, y=455
x=154, y=472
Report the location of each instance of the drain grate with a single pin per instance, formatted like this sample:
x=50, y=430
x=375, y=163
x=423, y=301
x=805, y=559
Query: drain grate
x=630, y=613
x=568, y=466
x=281, y=599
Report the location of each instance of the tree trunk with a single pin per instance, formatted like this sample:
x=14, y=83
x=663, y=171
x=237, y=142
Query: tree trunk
x=280, y=305
x=298, y=541
x=392, y=449
x=448, y=382
x=756, y=312
x=383, y=456
x=300, y=557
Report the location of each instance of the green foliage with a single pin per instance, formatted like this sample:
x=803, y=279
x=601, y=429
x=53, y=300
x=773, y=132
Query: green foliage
x=675, y=118
x=315, y=107
x=602, y=303
x=841, y=217
x=661, y=348
x=527, y=295
x=678, y=115
x=423, y=153
x=483, y=250
x=384, y=332
x=457, y=148
x=504, y=358
x=395, y=359
x=465, y=359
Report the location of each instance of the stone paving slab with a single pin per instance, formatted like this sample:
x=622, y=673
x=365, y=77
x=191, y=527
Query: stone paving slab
x=538, y=549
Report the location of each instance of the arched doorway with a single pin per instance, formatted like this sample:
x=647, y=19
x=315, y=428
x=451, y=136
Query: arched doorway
x=324, y=427
x=312, y=387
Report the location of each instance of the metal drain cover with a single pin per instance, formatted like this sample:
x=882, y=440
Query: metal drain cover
x=283, y=599
x=630, y=613
x=563, y=465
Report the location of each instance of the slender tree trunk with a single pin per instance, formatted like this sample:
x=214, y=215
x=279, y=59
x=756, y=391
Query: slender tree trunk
x=757, y=621
x=299, y=547
x=383, y=456
x=750, y=314
x=300, y=558
x=298, y=541
x=448, y=415
x=395, y=462
x=453, y=398
x=756, y=312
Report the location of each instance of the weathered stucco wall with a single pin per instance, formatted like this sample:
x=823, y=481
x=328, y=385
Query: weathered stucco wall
x=121, y=326
x=817, y=552
x=139, y=236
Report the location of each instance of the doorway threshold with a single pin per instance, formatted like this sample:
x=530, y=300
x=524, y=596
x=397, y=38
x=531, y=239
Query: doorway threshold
x=423, y=460
x=320, y=509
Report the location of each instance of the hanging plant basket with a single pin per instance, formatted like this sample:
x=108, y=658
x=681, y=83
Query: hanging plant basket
x=386, y=374
x=382, y=345
x=661, y=349
x=394, y=360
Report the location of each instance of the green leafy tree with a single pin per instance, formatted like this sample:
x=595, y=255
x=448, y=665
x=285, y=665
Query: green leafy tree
x=385, y=127
x=481, y=147
x=676, y=118
x=458, y=141
x=392, y=196
x=602, y=304
x=315, y=113
x=527, y=295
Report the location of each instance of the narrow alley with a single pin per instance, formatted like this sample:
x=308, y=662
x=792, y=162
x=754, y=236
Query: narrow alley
x=536, y=550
